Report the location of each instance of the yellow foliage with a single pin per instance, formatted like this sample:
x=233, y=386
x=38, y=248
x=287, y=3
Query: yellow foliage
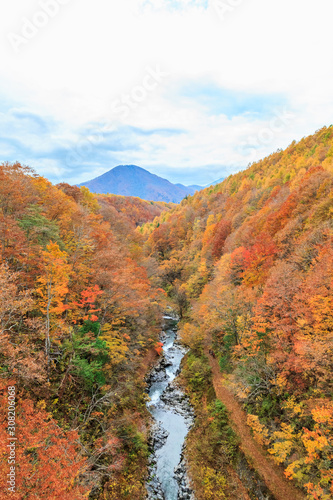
x=260, y=432
x=294, y=470
x=294, y=408
x=314, y=442
x=89, y=200
x=116, y=345
x=191, y=335
x=214, y=484
x=323, y=415
x=53, y=283
x=285, y=442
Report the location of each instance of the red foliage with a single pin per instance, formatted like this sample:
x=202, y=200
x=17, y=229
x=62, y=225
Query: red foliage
x=159, y=348
x=47, y=460
x=221, y=232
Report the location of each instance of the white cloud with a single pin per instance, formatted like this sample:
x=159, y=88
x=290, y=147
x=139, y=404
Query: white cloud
x=90, y=55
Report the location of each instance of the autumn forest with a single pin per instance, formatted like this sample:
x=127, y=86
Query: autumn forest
x=246, y=266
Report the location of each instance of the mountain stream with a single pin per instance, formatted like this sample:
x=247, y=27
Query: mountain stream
x=173, y=417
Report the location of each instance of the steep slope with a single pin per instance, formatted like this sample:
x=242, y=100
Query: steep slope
x=130, y=180
x=273, y=477
x=79, y=321
x=249, y=263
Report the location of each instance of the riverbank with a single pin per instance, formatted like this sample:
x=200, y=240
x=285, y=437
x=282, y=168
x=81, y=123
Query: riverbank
x=218, y=466
x=173, y=419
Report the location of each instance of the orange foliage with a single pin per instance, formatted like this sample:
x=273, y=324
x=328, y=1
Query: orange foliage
x=47, y=460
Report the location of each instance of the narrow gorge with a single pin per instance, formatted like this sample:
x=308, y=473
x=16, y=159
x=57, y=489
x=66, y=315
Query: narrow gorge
x=173, y=417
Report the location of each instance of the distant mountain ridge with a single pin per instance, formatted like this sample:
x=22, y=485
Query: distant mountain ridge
x=215, y=182
x=131, y=180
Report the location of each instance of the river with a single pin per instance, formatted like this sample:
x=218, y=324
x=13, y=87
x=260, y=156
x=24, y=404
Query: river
x=173, y=418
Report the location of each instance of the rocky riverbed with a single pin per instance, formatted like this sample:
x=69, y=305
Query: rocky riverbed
x=173, y=418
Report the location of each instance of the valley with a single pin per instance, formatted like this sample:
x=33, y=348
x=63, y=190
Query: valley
x=171, y=350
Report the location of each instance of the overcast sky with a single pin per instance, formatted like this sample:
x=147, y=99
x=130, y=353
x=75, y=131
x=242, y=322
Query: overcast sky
x=191, y=90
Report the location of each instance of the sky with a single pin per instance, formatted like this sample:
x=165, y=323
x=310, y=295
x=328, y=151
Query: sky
x=191, y=90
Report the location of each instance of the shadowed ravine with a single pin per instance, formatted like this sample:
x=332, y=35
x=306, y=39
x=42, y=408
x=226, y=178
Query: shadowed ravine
x=173, y=418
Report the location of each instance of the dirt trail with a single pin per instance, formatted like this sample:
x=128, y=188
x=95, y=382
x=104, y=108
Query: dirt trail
x=273, y=476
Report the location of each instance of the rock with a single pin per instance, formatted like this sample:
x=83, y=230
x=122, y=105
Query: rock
x=185, y=492
x=157, y=374
x=164, y=363
x=160, y=438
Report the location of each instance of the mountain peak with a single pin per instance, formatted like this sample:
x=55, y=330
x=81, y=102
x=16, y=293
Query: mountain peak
x=131, y=180
x=128, y=167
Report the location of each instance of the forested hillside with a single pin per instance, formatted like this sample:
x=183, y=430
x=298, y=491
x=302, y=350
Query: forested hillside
x=78, y=317
x=249, y=265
